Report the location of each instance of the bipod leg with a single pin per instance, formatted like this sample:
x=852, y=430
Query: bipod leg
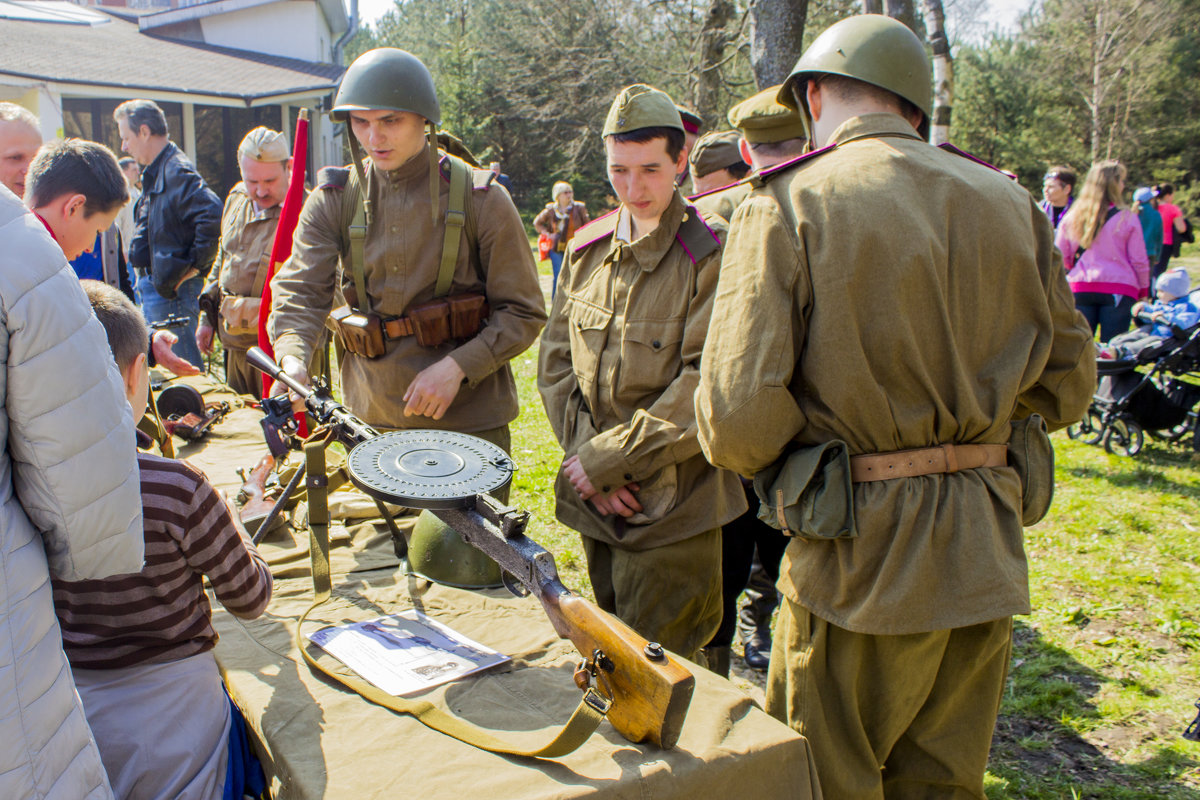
x=276, y=509
x=399, y=543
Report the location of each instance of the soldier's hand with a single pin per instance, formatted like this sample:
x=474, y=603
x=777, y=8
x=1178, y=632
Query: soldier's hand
x=204, y=337
x=578, y=477
x=160, y=345
x=623, y=502
x=297, y=372
x=434, y=389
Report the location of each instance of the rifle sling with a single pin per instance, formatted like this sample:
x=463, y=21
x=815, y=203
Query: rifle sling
x=584, y=720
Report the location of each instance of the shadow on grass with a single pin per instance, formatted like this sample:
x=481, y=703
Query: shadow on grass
x=1038, y=750
x=1141, y=477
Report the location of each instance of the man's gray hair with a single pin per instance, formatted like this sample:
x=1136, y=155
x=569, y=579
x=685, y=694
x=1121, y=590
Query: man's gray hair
x=137, y=113
x=11, y=112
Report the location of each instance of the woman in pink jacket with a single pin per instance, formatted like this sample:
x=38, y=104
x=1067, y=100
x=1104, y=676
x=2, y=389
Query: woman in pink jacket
x=1104, y=252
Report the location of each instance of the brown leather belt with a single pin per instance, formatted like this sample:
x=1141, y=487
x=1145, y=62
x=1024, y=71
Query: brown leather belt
x=926, y=461
x=397, y=326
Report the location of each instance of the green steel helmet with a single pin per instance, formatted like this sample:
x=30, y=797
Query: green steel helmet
x=874, y=49
x=389, y=79
x=438, y=553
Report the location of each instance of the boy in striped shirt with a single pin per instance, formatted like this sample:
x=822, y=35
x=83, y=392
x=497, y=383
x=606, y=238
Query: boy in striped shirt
x=140, y=645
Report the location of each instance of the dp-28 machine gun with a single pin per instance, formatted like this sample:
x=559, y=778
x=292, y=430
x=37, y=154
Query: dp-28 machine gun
x=644, y=691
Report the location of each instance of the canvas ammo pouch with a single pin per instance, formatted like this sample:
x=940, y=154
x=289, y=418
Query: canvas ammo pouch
x=359, y=333
x=807, y=493
x=1031, y=454
x=239, y=315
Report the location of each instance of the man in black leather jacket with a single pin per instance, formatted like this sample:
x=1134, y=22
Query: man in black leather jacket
x=177, y=223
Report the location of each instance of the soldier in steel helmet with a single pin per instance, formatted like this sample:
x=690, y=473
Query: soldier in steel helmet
x=439, y=284
x=230, y=301
x=891, y=337
x=618, y=367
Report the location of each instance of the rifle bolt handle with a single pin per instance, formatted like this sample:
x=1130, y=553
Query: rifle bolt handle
x=654, y=651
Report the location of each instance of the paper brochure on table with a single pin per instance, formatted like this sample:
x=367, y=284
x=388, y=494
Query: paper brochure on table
x=405, y=653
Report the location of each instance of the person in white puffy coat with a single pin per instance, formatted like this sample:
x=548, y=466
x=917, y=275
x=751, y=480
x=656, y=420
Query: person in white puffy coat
x=69, y=502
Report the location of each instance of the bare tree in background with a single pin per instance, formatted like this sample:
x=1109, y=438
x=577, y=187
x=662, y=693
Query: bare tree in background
x=776, y=38
x=943, y=71
x=902, y=10
x=714, y=37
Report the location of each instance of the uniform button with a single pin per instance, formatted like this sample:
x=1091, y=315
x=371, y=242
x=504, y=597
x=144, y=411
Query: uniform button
x=628, y=477
x=656, y=344
x=605, y=489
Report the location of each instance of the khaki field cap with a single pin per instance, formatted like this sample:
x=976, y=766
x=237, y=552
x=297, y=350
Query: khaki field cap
x=714, y=151
x=264, y=144
x=641, y=106
x=761, y=119
x=387, y=79
x=871, y=48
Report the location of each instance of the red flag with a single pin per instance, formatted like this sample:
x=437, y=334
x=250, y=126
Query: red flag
x=282, y=249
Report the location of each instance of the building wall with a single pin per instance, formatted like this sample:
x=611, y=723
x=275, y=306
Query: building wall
x=286, y=28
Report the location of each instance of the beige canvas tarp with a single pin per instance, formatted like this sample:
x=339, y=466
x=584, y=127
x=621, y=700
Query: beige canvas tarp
x=320, y=740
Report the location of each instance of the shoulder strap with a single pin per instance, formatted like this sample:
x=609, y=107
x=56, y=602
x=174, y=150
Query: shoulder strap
x=354, y=223
x=597, y=229
x=456, y=220
x=699, y=240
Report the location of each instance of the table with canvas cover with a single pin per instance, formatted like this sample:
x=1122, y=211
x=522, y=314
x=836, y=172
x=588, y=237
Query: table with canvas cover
x=318, y=739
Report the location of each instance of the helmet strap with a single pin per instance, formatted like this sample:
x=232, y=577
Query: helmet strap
x=433, y=168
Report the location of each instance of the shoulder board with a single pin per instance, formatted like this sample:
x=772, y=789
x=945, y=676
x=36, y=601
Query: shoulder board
x=482, y=179
x=238, y=188
x=597, y=229
x=745, y=180
x=333, y=177
x=759, y=178
x=949, y=148
x=699, y=240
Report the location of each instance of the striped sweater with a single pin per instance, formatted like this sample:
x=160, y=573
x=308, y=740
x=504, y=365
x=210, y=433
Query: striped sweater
x=162, y=613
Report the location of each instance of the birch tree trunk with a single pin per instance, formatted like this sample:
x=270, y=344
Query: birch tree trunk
x=776, y=38
x=943, y=72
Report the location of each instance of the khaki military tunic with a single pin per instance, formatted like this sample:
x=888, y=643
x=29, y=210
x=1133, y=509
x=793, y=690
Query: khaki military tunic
x=243, y=257
x=895, y=295
x=723, y=202
x=618, y=368
x=402, y=253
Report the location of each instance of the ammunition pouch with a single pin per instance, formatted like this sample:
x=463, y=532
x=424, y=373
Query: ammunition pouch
x=458, y=316
x=209, y=302
x=239, y=315
x=361, y=334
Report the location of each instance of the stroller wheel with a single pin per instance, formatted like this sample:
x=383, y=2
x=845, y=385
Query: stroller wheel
x=1088, y=430
x=1124, y=438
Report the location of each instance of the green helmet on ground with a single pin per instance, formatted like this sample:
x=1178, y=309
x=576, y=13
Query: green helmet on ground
x=874, y=49
x=438, y=553
x=387, y=79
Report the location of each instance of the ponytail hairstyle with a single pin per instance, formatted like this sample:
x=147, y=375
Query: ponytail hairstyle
x=1101, y=188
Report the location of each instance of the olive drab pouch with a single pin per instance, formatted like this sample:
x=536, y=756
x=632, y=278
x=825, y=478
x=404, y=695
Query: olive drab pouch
x=361, y=334
x=430, y=322
x=1031, y=454
x=807, y=493
x=239, y=315
x=467, y=314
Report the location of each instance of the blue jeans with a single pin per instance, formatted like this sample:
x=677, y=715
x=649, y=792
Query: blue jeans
x=186, y=304
x=555, y=264
x=1111, y=313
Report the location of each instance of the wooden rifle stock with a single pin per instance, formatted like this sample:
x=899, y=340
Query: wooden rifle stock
x=649, y=689
x=253, y=494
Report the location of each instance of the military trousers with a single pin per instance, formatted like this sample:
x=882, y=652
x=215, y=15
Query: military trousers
x=890, y=716
x=669, y=594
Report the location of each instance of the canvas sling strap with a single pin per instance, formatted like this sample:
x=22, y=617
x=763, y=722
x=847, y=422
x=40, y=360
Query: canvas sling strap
x=356, y=218
x=926, y=461
x=592, y=708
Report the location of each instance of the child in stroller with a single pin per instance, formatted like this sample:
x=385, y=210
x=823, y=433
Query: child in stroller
x=1174, y=312
x=1149, y=377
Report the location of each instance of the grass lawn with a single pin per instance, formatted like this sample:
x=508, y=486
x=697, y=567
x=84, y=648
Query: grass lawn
x=1105, y=670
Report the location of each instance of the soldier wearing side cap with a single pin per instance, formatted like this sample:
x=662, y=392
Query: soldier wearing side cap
x=230, y=303
x=716, y=163
x=891, y=338
x=618, y=367
x=431, y=258
x=691, y=131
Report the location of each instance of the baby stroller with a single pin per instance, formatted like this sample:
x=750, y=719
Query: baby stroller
x=1154, y=391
